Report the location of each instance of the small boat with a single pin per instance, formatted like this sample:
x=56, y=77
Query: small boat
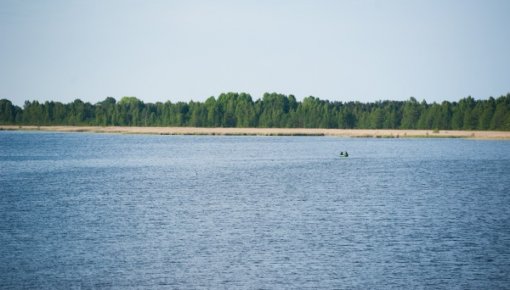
x=344, y=154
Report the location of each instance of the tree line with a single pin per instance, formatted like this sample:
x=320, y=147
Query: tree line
x=273, y=110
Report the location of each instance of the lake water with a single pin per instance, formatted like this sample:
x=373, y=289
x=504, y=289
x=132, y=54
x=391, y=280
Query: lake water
x=82, y=210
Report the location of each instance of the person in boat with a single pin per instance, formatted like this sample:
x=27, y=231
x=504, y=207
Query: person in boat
x=346, y=154
x=342, y=153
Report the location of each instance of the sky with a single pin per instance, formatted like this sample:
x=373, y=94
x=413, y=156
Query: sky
x=345, y=50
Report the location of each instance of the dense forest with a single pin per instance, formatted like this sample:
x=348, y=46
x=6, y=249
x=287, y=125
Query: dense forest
x=273, y=110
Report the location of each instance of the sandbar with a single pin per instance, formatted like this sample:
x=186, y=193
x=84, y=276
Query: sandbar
x=362, y=133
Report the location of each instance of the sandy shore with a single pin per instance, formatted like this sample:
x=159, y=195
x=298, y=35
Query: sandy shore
x=271, y=132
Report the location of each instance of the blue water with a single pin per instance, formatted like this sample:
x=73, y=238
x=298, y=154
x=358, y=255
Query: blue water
x=82, y=210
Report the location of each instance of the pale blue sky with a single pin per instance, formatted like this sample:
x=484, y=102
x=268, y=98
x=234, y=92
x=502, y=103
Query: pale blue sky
x=189, y=50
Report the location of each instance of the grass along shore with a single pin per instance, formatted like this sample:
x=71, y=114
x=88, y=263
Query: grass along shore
x=374, y=133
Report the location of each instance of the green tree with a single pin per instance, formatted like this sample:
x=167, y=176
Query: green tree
x=8, y=112
x=410, y=114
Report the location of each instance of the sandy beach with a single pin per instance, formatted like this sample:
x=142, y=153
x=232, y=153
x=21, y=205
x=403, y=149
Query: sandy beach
x=373, y=133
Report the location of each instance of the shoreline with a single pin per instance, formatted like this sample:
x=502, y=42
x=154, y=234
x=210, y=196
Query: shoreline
x=356, y=133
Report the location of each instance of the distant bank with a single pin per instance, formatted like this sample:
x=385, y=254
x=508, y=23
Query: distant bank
x=371, y=133
x=239, y=110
